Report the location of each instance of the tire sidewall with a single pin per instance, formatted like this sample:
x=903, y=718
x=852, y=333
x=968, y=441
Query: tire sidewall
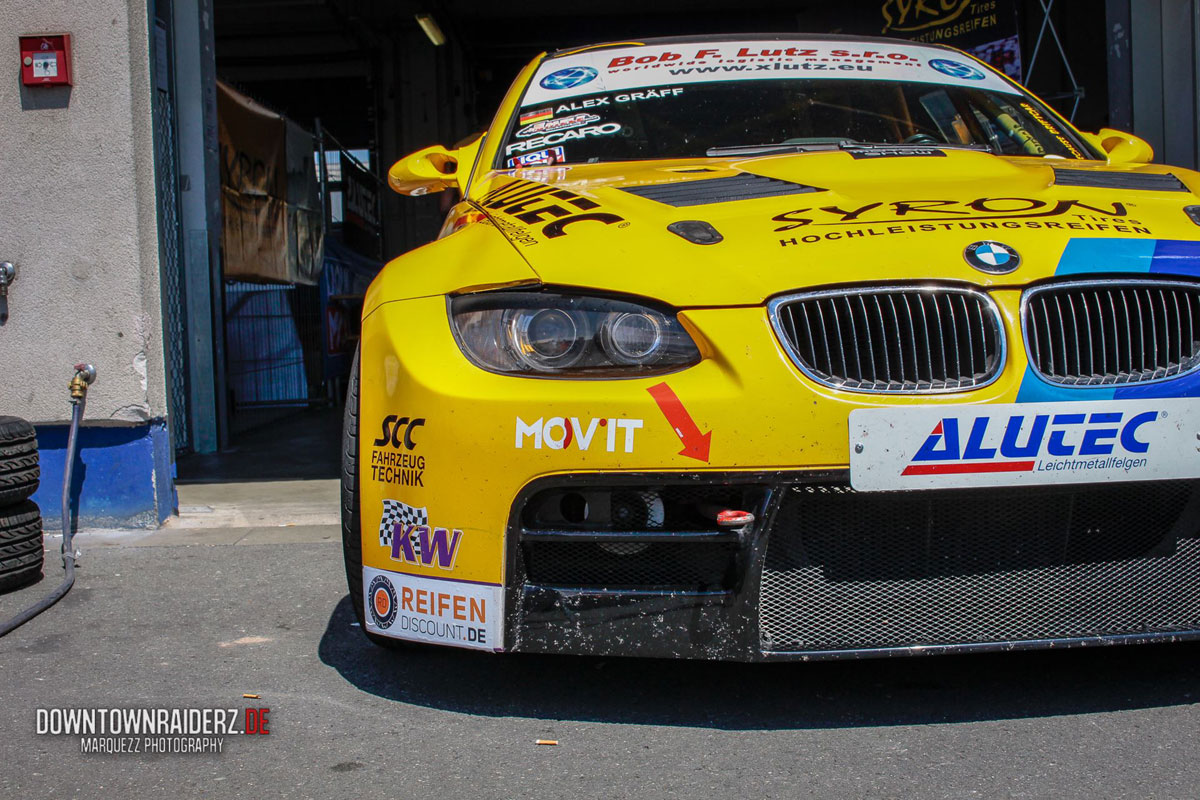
x=351, y=514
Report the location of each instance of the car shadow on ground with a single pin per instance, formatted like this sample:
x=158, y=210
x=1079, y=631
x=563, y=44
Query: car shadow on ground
x=831, y=694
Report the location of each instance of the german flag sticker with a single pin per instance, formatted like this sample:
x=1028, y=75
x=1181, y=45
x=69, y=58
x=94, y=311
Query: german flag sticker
x=530, y=117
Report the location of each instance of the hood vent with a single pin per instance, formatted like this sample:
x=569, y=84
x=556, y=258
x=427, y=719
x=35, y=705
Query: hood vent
x=719, y=190
x=1118, y=180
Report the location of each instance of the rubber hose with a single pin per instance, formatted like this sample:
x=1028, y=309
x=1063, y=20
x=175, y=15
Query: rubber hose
x=68, y=549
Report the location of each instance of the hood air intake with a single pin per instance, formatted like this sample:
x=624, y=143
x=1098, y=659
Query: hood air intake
x=1118, y=180
x=719, y=190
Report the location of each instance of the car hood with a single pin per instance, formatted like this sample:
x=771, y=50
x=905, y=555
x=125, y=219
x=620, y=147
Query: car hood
x=796, y=221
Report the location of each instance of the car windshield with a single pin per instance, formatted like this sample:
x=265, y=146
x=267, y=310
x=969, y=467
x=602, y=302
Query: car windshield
x=636, y=103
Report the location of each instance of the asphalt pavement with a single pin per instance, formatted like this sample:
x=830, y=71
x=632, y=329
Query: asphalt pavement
x=199, y=617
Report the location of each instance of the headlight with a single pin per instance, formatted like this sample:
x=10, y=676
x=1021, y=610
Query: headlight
x=547, y=334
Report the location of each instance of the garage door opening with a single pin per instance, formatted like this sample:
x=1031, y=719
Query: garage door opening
x=368, y=84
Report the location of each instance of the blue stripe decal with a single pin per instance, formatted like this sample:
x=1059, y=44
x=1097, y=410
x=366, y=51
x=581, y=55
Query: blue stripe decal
x=1035, y=390
x=1099, y=256
x=1106, y=255
x=1187, y=386
x=1175, y=257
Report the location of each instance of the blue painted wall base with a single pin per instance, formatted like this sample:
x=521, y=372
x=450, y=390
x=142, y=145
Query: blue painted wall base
x=124, y=476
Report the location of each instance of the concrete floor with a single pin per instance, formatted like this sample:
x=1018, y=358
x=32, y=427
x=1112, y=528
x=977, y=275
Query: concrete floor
x=196, y=617
x=237, y=513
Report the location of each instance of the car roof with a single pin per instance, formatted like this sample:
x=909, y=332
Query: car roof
x=739, y=37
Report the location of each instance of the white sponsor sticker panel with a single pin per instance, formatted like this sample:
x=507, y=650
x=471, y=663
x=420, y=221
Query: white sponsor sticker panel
x=1024, y=444
x=448, y=612
x=618, y=69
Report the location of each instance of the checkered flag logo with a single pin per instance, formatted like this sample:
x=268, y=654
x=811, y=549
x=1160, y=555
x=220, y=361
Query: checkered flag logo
x=397, y=513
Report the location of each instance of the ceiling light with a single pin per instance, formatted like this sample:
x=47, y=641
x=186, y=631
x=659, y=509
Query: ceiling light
x=430, y=26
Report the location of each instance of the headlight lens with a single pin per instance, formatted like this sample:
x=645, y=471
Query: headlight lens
x=548, y=334
x=631, y=337
x=546, y=338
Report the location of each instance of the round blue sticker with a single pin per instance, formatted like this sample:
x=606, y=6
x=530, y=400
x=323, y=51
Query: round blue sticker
x=956, y=69
x=568, y=78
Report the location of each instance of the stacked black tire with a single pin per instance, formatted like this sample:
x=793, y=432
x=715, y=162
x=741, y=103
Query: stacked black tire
x=21, y=553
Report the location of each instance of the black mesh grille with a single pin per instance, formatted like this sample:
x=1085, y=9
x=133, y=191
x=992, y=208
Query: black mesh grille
x=851, y=570
x=893, y=340
x=641, y=565
x=1095, y=333
x=1118, y=180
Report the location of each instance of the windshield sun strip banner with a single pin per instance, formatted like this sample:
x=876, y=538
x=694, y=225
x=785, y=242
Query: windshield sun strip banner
x=619, y=69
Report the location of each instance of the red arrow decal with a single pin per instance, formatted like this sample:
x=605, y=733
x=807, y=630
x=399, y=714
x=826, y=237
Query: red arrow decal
x=695, y=444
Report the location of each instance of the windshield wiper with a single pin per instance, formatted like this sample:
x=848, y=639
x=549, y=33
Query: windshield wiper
x=856, y=145
x=838, y=144
x=764, y=149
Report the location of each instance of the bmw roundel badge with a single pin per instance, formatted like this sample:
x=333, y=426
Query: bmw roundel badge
x=993, y=258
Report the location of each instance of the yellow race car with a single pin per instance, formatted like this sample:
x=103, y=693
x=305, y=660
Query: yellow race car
x=781, y=347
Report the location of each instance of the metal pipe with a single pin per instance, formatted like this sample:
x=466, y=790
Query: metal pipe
x=84, y=375
x=322, y=177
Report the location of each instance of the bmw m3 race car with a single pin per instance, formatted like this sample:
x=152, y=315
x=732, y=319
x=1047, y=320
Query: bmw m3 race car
x=767, y=347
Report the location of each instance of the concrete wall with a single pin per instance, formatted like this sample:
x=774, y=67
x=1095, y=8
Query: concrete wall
x=78, y=218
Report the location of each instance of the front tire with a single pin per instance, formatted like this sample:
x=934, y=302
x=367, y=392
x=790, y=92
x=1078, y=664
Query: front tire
x=351, y=513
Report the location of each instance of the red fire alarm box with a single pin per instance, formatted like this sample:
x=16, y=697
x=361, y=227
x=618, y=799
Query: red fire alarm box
x=46, y=59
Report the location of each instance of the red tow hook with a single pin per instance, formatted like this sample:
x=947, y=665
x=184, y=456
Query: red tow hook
x=732, y=518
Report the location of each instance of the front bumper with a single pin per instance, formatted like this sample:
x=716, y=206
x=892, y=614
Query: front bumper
x=825, y=572
x=822, y=573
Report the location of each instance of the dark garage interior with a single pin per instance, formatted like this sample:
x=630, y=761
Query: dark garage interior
x=371, y=81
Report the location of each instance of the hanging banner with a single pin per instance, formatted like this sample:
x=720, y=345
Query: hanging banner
x=987, y=29
x=253, y=185
x=360, y=215
x=305, y=231
x=271, y=228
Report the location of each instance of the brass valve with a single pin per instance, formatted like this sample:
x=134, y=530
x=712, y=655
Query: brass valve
x=84, y=375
